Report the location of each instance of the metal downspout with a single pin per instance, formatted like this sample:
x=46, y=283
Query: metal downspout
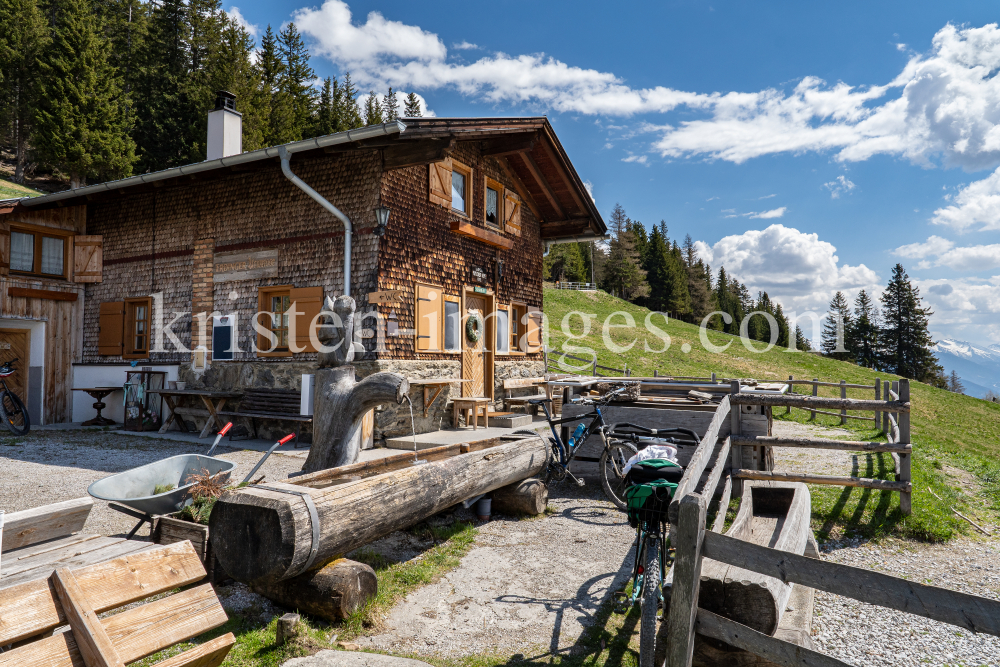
x=337, y=213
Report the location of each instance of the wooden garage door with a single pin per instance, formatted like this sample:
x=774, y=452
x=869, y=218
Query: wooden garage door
x=14, y=345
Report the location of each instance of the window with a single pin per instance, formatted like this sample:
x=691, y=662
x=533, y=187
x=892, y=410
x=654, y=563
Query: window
x=452, y=324
x=493, y=205
x=38, y=253
x=273, y=304
x=461, y=188
x=137, y=321
x=517, y=311
x=503, y=331
x=428, y=310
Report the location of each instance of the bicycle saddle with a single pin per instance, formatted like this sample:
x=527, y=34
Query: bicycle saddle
x=537, y=401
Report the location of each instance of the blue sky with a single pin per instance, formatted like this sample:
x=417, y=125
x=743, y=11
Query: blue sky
x=807, y=146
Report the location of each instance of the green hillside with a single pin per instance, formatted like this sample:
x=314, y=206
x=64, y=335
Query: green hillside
x=956, y=438
x=10, y=190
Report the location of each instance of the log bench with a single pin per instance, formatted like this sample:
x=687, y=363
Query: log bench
x=522, y=401
x=272, y=404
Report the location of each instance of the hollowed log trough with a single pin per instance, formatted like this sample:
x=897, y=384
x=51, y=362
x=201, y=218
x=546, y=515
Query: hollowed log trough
x=265, y=535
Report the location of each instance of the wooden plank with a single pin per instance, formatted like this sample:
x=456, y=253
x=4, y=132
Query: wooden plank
x=120, y=547
x=209, y=654
x=707, y=489
x=134, y=633
x=91, y=640
x=107, y=585
x=467, y=229
x=45, y=523
x=905, y=498
x=838, y=414
x=829, y=384
x=861, y=482
x=695, y=467
x=811, y=402
x=940, y=604
x=55, y=551
x=686, y=581
x=543, y=184
x=720, y=517
x=322, y=478
x=818, y=443
x=51, y=295
x=775, y=650
x=520, y=187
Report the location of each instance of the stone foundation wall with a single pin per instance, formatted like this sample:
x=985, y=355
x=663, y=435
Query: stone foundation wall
x=394, y=420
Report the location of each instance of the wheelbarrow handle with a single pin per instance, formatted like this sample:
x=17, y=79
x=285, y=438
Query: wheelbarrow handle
x=264, y=458
x=218, y=438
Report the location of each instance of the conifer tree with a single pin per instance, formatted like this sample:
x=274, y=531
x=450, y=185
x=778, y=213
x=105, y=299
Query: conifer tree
x=239, y=75
x=373, y=110
x=835, y=329
x=349, y=111
x=24, y=39
x=801, y=342
x=126, y=25
x=699, y=281
x=280, y=123
x=81, y=121
x=955, y=383
x=906, y=340
x=326, y=118
x=862, y=337
x=295, y=81
x=412, y=109
x=206, y=23
x=390, y=107
x=564, y=263
x=623, y=275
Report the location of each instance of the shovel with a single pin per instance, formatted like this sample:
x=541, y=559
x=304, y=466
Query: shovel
x=264, y=458
x=218, y=438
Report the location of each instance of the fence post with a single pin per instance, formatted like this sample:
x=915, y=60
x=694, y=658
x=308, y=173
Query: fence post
x=903, y=420
x=843, y=394
x=687, y=581
x=791, y=390
x=812, y=413
x=878, y=397
x=736, y=451
x=595, y=366
x=713, y=377
x=626, y=370
x=886, y=424
x=545, y=361
x=654, y=373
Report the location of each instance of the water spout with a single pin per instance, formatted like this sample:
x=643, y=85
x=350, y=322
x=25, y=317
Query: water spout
x=413, y=429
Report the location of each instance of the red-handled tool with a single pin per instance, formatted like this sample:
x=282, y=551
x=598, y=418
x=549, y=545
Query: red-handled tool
x=218, y=438
x=264, y=458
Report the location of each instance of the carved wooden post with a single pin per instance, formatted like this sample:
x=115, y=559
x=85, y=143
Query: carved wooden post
x=812, y=413
x=843, y=394
x=735, y=452
x=687, y=581
x=904, y=439
x=878, y=397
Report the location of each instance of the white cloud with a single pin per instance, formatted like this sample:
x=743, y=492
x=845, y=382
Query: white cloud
x=901, y=47
x=235, y=14
x=977, y=203
x=933, y=246
x=798, y=269
x=465, y=46
x=766, y=197
x=964, y=309
x=640, y=159
x=712, y=198
x=773, y=213
x=590, y=190
x=839, y=186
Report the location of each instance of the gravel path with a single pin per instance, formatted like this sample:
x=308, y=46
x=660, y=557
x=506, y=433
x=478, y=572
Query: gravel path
x=51, y=466
x=864, y=634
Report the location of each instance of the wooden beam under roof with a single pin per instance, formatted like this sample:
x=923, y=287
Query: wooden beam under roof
x=569, y=227
x=532, y=166
x=521, y=189
x=517, y=144
x=557, y=163
x=411, y=154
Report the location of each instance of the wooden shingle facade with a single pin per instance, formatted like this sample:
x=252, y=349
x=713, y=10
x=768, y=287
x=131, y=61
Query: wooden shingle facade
x=472, y=204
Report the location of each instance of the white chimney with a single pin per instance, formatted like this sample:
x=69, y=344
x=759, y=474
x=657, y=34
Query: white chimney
x=225, y=127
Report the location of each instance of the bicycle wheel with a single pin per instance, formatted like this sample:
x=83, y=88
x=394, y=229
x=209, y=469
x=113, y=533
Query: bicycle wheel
x=15, y=417
x=613, y=460
x=650, y=603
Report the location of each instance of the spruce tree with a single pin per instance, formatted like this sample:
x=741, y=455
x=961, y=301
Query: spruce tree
x=326, y=119
x=623, y=275
x=239, y=75
x=564, y=263
x=801, y=342
x=390, y=106
x=955, y=383
x=836, y=328
x=295, y=81
x=862, y=337
x=373, y=110
x=412, y=109
x=699, y=280
x=280, y=125
x=24, y=40
x=206, y=23
x=906, y=340
x=126, y=25
x=81, y=121
x=349, y=111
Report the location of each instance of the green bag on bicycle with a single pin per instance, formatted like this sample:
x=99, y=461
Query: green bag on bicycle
x=648, y=499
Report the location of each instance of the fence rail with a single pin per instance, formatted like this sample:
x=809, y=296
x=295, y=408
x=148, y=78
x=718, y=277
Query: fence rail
x=576, y=286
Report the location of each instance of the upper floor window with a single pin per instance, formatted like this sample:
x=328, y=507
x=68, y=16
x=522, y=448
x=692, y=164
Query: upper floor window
x=461, y=188
x=493, y=205
x=37, y=253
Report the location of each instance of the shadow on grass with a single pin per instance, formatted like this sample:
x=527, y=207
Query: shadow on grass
x=852, y=512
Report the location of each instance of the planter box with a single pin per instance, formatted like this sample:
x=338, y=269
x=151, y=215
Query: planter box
x=168, y=529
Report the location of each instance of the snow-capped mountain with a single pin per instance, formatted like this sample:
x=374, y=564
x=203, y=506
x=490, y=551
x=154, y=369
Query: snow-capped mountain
x=979, y=367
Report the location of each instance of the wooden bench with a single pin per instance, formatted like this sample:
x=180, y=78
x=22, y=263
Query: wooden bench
x=472, y=407
x=510, y=402
x=273, y=404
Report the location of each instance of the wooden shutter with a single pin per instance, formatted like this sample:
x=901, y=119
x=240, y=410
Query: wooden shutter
x=512, y=213
x=112, y=328
x=534, y=330
x=4, y=248
x=429, y=316
x=307, y=301
x=440, y=183
x=88, y=259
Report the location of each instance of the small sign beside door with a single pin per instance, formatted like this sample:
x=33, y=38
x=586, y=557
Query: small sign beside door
x=480, y=290
x=478, y=274
x=391, y=296
x=4, y=345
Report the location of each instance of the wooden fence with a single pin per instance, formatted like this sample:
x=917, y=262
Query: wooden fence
x=595, y=367
x=844, y=386
x=694, y=541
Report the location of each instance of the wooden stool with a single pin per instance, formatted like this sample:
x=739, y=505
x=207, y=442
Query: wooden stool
x=470, y=407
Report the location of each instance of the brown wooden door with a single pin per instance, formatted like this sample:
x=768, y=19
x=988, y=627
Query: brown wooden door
x=14, y=345
x=473, y=354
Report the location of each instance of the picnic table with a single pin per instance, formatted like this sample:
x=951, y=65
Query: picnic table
x=99, y=394
x=212, y=400
x=436, y=384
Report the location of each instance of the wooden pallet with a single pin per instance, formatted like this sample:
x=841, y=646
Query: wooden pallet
x=32, y=610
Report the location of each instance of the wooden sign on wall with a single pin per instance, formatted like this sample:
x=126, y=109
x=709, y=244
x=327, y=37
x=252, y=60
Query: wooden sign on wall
x=392, y=296
x=245, y=265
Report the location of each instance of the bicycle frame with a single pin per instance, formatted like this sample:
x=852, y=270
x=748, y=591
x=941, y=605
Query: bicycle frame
x=566, y=454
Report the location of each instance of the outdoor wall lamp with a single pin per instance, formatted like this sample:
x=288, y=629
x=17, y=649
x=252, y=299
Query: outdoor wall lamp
x=382, y=216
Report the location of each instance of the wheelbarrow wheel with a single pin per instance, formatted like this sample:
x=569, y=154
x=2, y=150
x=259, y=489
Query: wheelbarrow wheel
x=15, y=417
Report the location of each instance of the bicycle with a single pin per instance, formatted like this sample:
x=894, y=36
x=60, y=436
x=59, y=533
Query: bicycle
x=15, y=416
x=613, y=458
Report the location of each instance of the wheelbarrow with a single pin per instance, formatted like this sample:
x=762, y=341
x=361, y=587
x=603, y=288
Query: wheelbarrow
x=132, y=492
